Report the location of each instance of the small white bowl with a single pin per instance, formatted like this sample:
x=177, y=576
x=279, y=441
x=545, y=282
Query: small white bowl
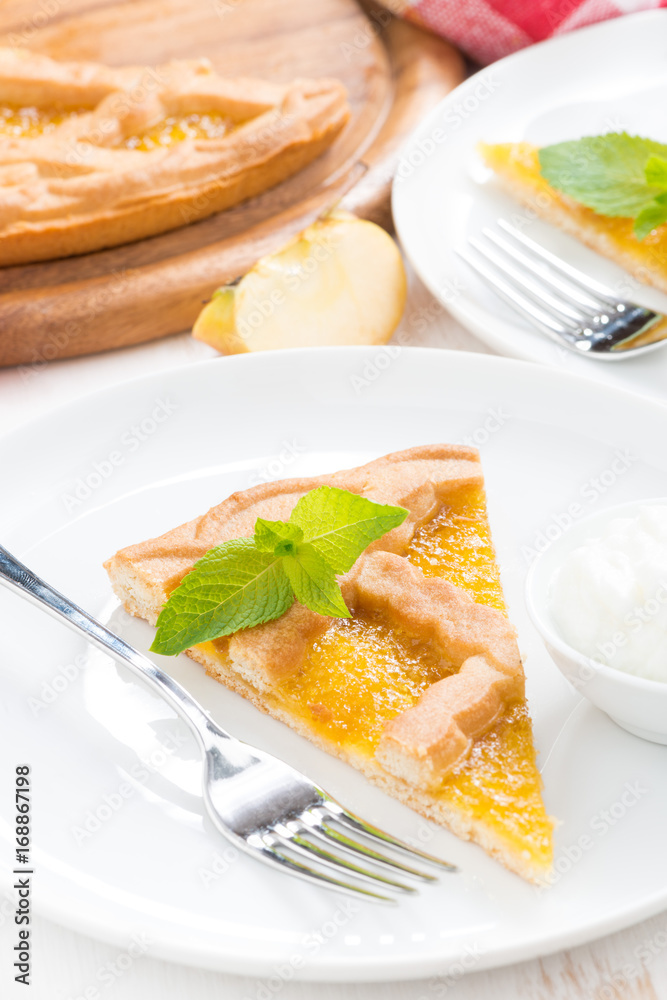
x=636, y=704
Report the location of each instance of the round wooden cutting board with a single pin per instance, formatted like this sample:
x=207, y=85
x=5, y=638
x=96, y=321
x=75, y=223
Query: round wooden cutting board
x=394, y=73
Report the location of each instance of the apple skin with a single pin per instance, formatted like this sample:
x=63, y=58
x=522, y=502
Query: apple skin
x=215, y=323
x=339, y=282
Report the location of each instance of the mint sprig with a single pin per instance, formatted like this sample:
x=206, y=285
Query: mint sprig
x=614, y=174
x=340, y=524
x=248, y=581
x=314, y=582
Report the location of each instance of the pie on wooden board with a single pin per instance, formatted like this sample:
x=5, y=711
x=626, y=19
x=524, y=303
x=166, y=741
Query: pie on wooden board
x=93, y=156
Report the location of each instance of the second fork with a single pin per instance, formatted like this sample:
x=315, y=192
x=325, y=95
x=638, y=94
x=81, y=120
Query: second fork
x=561, y=301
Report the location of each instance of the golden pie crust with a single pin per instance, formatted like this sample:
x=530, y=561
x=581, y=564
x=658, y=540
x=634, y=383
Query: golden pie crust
x=79, y=186
x=470, y=699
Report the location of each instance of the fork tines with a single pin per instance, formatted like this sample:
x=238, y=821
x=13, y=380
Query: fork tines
x=557, y=298
x=320, y=836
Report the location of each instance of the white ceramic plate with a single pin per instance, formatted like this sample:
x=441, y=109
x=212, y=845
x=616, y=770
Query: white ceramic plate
x=121, y=847
x=608, y=77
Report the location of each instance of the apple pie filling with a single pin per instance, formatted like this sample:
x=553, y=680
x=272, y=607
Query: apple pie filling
x=31, y=122
x=28, y=123
x=364, y=671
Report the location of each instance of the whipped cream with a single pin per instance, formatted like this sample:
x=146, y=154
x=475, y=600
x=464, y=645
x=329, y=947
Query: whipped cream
x=609, y=598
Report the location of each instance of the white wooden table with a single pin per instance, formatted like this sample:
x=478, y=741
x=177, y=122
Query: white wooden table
x=631, y=965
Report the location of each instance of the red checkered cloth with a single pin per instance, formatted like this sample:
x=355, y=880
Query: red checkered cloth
x=489, y=29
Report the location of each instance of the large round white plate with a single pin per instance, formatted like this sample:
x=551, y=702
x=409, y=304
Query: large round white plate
x=608, y=77
x=121, y=847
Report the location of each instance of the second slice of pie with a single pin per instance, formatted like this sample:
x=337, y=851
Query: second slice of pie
x=517, y=167
x=422, y=688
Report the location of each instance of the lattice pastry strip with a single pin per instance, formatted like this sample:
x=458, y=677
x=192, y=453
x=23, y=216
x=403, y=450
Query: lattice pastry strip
x=78, y=186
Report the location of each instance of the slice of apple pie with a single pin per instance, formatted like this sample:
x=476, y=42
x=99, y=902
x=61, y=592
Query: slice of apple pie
x=422, y=688
x=93, y=156
x=517, y=166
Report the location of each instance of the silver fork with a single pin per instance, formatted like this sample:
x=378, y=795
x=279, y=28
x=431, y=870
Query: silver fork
x=560, y=300
x=265, y=807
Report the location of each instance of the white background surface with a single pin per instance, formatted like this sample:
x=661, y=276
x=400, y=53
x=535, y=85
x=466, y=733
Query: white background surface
x=67, y=966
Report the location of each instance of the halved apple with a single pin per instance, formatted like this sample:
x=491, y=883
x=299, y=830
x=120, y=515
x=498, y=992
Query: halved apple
x=340, y=281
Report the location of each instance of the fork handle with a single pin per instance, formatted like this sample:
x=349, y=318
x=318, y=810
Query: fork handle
x=17, y=577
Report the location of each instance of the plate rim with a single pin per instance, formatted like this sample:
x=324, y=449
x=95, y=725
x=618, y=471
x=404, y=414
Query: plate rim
x=63, y=408
x=352, y=969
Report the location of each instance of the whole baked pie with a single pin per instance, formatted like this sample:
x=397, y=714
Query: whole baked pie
x=93, y=156
x=422, y=688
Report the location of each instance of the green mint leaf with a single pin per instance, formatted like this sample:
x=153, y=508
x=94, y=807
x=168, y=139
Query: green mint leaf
x=248, y=581
x=606, y=173
x=340, y=524
x=656, y=171
x=270, y=536
x=234, y=586
x=654, y=214
x=314, y=582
